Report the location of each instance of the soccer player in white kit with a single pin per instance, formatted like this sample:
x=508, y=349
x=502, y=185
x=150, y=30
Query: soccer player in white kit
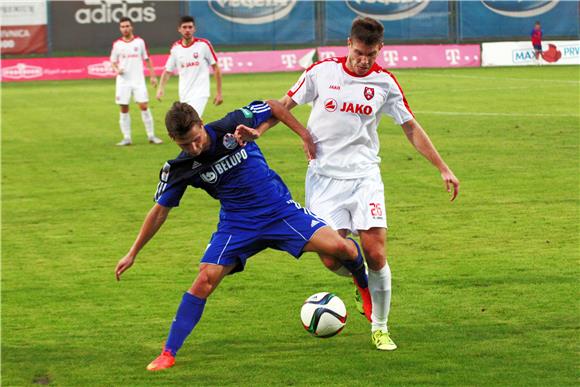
x=127, y=58
x=343, y=182
x=192, y=58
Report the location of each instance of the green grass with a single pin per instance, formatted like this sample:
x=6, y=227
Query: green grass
x=485, y=289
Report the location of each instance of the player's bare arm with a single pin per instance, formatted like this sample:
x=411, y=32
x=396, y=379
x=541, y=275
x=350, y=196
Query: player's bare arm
x=280, y=113
x=420, y=140
x=152, y=76
x=218, y=80
x=153, y=222
x=162, y=82
x=116, y=68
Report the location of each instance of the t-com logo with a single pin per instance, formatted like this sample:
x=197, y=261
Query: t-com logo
x=252, y=11
x=22, y=71
x=387, y=9
x=520, y=8
x=110, y=11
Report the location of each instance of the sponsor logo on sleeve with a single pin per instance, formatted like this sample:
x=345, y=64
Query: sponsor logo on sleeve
x=252, y=11
x=229, y=141
x=386, y=9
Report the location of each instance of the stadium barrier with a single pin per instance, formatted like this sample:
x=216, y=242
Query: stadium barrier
x=443, y=55
x=559, y=52
x=27, y=69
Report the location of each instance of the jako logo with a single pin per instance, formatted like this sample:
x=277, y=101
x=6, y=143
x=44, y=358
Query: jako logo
x=330, y=105
x=22, y=71
x=349, y=107
x=103, y=69
x=387, y=9
x=252, y=11
x=110, y=11
x=520, y=8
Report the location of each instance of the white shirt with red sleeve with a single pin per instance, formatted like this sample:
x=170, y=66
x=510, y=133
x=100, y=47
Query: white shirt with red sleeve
x=130, y=56
x=192, y=63
x=345, y=115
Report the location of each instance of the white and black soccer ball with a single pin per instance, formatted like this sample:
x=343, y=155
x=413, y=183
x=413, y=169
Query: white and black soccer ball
x=323, y=314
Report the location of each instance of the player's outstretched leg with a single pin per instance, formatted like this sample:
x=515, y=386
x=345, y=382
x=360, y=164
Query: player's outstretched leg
x=189, y=313
x=328, y=242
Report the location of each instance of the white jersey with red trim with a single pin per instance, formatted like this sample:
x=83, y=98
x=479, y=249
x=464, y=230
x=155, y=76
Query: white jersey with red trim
x=192, y=64
x=345, y=115
x=129, y=56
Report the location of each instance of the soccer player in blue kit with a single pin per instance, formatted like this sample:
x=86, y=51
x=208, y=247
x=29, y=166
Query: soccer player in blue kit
x=257, y=210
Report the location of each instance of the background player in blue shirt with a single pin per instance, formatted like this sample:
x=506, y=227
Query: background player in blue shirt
x=257, y=210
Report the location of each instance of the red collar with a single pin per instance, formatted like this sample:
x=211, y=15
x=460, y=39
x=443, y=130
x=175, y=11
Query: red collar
x=343, y=60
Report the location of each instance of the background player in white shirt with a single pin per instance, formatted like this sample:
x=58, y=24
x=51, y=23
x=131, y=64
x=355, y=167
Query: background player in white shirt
x=343, y=183
x=127, y=58
x=192, y=57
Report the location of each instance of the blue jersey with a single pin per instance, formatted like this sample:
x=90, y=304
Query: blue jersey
x=239, y=177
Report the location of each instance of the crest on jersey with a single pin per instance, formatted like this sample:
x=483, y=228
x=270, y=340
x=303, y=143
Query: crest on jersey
x=330, y=104
x=230, y=141
x=195, y=55
x=369, y=93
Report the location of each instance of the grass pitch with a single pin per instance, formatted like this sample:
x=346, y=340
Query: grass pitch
x=485, y=290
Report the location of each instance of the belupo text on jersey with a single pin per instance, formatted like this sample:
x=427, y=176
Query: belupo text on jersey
x=223, y=165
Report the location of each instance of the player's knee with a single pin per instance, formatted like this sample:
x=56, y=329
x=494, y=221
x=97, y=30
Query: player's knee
x=203, y=285
x=331, y=263
x=375, y=257
x=343, y=249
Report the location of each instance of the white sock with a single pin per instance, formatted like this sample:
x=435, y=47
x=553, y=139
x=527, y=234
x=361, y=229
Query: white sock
x=148, y=121
x=380, y=289
x=125, y=124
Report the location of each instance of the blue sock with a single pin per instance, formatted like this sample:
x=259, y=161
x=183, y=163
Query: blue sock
x=357, y=268
x=186, y=318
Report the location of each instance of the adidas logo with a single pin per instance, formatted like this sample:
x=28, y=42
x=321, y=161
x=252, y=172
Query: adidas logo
x=314, y=223
x=195, y=164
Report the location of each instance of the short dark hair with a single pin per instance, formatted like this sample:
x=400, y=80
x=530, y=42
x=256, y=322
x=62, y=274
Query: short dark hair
x=125, y=19
x=186, y=19
x=367, y=30
x=537, y=22
x=180, y=119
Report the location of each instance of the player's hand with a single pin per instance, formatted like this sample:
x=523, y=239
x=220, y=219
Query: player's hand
x=218, y=99
x=450, y=180
x=245, y=134
x=125, y=263
x=154, y=81
x=120, y=70
x=159, y=94
x=309, y=148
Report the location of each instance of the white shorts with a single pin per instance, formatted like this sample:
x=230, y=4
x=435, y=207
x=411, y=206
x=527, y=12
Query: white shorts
x=198, y=103
x=123, y=94
x=349, y=204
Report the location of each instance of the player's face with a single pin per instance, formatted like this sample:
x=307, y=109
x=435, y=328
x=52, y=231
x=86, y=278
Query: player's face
x=194, y=142
x=362, y=57
x=186, y=30
x=126, y=29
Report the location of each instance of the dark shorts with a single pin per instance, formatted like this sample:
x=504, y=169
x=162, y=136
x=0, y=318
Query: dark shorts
x=537, y=47
x=289, y=230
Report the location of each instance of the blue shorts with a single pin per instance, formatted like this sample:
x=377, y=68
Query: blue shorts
x=288, y=230
x=537, y=47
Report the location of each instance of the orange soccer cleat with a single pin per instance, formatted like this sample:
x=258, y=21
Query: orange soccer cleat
x=163, y=361
x=362, y=298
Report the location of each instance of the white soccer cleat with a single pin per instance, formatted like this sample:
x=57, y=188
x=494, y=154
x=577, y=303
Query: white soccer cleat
x=125, y=142
x=155, y=140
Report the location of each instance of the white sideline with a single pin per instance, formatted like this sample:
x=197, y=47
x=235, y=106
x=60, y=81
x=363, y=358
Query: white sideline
x=494, y=114
x=430, y=74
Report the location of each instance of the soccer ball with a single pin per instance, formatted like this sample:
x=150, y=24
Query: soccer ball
x=323, y=314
